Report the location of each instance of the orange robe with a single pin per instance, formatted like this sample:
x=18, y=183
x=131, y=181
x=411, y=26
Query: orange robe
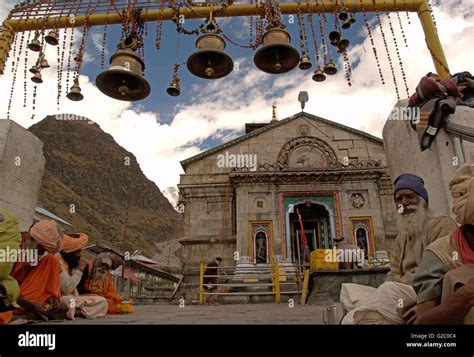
x=107, y=289
x=41, y=283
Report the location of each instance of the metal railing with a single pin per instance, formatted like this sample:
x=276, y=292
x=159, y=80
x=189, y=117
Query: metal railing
x=228, y=279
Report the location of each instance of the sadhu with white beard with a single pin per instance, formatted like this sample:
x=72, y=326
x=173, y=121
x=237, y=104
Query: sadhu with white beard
x=418, y=227
x=98, y=280
x=444, y=281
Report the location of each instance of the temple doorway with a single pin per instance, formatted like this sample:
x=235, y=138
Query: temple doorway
x=317, y=229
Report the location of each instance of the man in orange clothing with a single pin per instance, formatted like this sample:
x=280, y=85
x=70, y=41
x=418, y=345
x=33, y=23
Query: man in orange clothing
x=72, y=270
x=99, y=281
x=39, y=285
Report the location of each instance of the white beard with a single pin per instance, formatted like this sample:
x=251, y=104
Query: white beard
x=412, y=224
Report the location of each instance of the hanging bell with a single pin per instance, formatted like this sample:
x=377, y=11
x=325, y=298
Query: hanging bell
x=37, y=78
x=319, y=75
x=174, y=89
x=35, y=44
x=343, y=16
x=330, y=68
x=210, y=61
x=44, y=63
x=124, y=79
x=346, y=24
x=34, y=69
x=52, y=38
x=276, y=55
x=305, y=63
x=334, y=37
x=343, y=44
x=352, y=19
x=75, y=94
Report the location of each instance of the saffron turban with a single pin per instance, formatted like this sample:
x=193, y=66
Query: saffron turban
x=411, y=182
x=47, y=234
x=75, y=242
x=462, y=191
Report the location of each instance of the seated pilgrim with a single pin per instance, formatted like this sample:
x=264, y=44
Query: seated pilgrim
x=97, y=279
x=418, y=227
x=38, y=280
x=444, y=281
x=72, y=268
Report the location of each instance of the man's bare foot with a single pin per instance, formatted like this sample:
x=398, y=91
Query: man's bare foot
x=36, y=308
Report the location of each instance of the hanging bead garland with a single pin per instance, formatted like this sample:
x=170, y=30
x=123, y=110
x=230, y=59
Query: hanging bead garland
x=367, y=25
x=377, y=16
x=315, y=43
x=400, y=62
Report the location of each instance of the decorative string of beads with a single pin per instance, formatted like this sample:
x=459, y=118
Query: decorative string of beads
x=377, y=16
x=367, y=25
x=323, y=41
x=33, y=107
x=159, y=26
x=398, y=52
x=15, y=72
x=401, y=29
x=406, y=11
x=430, y=8
x=441, y=63
x=25, y=72
x=347, y=67
x=315, y=43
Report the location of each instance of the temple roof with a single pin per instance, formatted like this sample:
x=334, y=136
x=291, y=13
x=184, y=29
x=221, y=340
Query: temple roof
x=271, y=126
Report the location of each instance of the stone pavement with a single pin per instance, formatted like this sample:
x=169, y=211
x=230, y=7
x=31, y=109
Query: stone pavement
x=221, y=314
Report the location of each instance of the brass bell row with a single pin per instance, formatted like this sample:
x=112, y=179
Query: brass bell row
x=52, y=38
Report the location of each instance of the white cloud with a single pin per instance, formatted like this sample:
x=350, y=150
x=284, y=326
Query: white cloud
x=221, y=107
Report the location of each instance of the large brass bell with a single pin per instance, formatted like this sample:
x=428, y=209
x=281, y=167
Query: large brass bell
x=52, y=38
x=330, y=68
x=35, y=44
x=346, y=24
x=343, y=44
x=319, y=75
x=334, y=37
x=276, y=55
x=174, y=88
x=305, y=63
x=75, y=94
x=124, y=79
x=37, y=78
x=210, y=61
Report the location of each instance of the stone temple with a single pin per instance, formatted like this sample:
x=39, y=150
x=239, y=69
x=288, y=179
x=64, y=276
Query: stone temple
x=241, y=199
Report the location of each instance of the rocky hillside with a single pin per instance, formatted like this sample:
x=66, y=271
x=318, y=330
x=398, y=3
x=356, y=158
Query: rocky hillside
x=90, y=181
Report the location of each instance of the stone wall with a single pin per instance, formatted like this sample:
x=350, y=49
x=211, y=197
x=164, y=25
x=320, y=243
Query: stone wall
x=21, y=170
x=325, y=286
x=434, y=165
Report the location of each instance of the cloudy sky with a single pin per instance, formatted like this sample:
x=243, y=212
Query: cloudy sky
x=163, y=130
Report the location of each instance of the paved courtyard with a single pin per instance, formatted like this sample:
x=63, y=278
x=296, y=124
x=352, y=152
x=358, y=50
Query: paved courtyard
x=221, y=314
